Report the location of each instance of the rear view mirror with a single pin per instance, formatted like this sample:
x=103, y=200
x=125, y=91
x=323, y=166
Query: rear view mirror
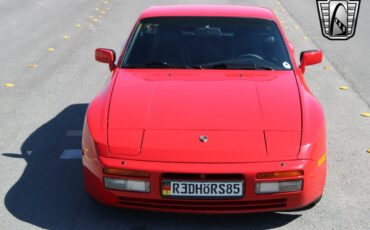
x=106, y=56
x=208, y=31
x=311, y=57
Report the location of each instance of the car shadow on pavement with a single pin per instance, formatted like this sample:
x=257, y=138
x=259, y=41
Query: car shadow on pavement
x=50, y=192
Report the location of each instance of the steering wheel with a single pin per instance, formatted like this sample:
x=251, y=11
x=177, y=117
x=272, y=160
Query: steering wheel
x=250, y=55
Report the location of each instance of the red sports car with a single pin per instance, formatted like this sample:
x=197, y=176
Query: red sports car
x=206, y=111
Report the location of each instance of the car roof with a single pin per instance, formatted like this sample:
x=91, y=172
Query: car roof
x=208, y=11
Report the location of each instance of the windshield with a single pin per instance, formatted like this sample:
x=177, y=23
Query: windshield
x=207, y=43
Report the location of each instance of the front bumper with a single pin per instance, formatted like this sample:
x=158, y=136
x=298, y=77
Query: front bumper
x=313, y=185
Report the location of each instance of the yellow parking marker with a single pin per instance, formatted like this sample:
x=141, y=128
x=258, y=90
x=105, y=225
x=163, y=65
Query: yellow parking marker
x=328, y=67
x=78, y=26
x=296, y=27
x=305, y=38
x=97, y=9
x=51, y=49
x=344, y=87
x=8, y=85
x=95, y=19
x=102, y=12
x=106, y=2
x=32, y=66
x=368, y=151
x=66, y=37
x=365, y=114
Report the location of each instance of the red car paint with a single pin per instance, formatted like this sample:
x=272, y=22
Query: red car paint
x=256, y=121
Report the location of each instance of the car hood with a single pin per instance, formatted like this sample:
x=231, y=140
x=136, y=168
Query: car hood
x=160, y=114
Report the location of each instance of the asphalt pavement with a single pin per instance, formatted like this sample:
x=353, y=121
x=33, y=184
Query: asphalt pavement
x=48, y=76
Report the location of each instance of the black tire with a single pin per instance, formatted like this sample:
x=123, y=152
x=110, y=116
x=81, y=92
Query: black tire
x=307, y=207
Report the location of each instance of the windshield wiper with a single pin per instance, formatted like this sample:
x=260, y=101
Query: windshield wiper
x=217, y=66
x=263, y=67
x=194, y=67
x=238, y=66
x=159, y=64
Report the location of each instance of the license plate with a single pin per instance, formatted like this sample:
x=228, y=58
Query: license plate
x=208, y=189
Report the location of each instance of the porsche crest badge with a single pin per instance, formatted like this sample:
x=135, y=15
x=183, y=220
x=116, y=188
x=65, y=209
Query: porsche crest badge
x=338, y=18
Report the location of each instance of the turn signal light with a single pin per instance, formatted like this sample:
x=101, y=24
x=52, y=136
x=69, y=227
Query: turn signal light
x=321, y=160
x=126, y=185
x=125, y=172
x=284, y=174
x=279, y=186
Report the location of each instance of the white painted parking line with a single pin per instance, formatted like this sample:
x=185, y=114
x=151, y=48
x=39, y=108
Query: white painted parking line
x=74, y=133
x=71, y=154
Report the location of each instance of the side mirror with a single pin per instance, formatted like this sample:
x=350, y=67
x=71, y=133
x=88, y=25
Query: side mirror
x=311, y=57
x=106, y=56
